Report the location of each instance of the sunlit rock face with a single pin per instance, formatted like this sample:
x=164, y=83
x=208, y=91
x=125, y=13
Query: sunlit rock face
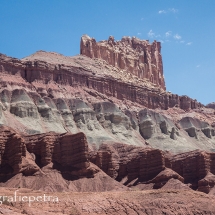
x=86, y=121
x=133, y=55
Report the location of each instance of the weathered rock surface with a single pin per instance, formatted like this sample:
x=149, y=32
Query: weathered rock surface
x=48, y=92
x=50, y=162
x=175, y=184
x=14, y=157
x=195, y=167
x=35, y=160
x=135, y=56
x=193, y=126
x=126, y=163
x=206, y=184
x=139, y=167
x=180, y=133
x=68, y=152
x=164, y=176
x=54, y=75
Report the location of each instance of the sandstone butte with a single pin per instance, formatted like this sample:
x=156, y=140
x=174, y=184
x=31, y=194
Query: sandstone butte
x=77, y=127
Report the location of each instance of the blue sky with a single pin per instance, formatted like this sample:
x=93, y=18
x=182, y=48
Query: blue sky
x=186, y=29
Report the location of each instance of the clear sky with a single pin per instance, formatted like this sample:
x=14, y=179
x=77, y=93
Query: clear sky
x=186, y=29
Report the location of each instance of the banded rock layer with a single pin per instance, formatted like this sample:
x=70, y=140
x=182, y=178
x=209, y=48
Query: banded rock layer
x=27, y=154
x=63, y=162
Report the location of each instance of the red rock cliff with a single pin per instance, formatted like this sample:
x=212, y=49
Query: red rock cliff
x=133, y=55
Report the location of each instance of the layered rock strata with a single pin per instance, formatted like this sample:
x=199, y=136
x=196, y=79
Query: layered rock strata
x=70, y=72
x=50, y=92
x=27, y=154
x=14, y=157
x=67, y=150
x=28, y=112
x=193, y=166
x=66, y=158
x=134, y=166
x=133, y=55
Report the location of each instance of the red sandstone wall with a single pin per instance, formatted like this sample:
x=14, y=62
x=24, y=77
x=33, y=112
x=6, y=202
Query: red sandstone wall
x=136, y=56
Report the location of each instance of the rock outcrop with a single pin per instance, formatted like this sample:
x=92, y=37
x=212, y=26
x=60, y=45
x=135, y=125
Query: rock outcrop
x=195, y=167
x=14, y=157
x=135, y=56
x=66, y=161
x=52, y=75
x=102, y=121
x=136, y=166
x=67, y=152
x=126, y=163
x=50, y=162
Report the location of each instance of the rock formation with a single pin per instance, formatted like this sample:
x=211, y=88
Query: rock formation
x=67, y=159
x=101, y=121
x=47, y=72
x=135, y=166
x=27, y=154
x=135, y=56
